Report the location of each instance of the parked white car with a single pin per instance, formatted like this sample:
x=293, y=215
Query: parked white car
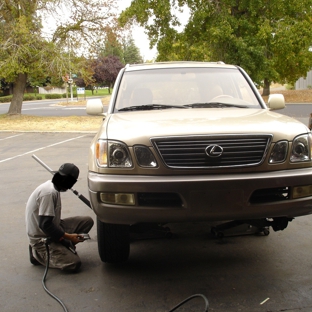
x=194, y=141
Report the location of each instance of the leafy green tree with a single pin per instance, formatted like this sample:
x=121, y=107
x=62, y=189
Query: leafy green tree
x=269, y=39
x=121, y=44
x=131, y=52
x=111, y=45
x=85, y=75
x=26, y=51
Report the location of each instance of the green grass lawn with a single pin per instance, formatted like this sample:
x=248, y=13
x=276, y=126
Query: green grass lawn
x=97, y=92
x=37, y=96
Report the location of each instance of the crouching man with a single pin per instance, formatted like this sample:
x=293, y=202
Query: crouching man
x=43, y=220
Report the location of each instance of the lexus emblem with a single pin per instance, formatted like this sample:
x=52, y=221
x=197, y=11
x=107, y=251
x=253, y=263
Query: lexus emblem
x=214, y=150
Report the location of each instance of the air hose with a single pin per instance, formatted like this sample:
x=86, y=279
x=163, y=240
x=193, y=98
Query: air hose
x=190, y=298
x=46, y=241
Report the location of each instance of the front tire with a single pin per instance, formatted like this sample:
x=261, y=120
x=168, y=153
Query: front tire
x=113, y=242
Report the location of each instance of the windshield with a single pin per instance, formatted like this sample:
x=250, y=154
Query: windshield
x=184, y=88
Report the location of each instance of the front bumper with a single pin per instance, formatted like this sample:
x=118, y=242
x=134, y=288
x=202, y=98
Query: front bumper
x=201, y=197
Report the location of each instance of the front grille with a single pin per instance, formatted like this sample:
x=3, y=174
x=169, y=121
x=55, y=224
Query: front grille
x=191, y=152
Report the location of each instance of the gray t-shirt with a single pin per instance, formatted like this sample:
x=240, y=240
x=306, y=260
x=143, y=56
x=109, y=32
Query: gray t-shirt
x=45, y=200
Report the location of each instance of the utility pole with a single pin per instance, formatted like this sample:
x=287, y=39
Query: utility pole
x=70, y=80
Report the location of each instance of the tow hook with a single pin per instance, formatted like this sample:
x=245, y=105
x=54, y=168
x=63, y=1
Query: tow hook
x=280, y=224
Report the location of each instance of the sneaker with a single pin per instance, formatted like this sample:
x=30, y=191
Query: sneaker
x=32, y=259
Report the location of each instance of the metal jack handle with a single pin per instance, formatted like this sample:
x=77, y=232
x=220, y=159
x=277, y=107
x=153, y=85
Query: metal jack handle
x=80, y=196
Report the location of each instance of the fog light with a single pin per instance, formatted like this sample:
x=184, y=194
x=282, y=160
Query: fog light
x=118, y=198
x=302, y=191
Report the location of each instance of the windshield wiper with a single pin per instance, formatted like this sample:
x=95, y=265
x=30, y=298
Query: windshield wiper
x=214, y=105
x=149, y=107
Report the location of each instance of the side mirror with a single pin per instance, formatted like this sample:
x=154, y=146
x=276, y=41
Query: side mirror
x=94, y=107
x=276, y=101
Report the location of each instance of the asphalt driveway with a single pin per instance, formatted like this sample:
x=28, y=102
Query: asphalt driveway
x=241, y=273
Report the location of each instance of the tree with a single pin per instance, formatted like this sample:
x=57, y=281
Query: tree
x=120, y=44
x=269, y=39
x=85, y=73
x=131, y=52
x=111, y=46
x=25, y=50
x=106, y=70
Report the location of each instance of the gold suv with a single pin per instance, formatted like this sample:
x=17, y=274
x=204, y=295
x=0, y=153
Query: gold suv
x=194, y=141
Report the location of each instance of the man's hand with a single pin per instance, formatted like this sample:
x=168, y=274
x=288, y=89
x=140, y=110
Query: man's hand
x=74, y=238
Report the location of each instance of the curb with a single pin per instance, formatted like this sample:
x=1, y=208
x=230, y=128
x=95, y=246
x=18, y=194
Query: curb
x=42, y=131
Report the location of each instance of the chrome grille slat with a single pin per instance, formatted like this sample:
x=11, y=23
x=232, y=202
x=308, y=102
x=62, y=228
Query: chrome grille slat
x=190, y=152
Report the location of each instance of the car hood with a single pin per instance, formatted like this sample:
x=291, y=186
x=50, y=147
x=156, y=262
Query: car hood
x=139, y=126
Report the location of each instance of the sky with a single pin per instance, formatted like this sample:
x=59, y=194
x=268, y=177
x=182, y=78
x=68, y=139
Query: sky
x=140, y=38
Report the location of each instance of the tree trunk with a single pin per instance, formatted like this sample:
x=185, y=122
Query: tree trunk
x=18, y=93
x=266, y=87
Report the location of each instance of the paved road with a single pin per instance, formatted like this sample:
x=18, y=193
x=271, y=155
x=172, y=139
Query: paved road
x=299, y=111
x=48, y=108
x=243, y=273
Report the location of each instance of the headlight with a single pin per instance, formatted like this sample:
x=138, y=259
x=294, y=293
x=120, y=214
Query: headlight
x=145, y=157
x=301, y=148
x=112, y=154
x=279, y=152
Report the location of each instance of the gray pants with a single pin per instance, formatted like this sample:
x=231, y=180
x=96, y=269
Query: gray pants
x=60, y=256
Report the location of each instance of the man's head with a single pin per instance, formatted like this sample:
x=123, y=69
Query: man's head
x=65, y=177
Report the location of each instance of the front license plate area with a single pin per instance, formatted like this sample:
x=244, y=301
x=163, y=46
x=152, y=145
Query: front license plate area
x=215, y=200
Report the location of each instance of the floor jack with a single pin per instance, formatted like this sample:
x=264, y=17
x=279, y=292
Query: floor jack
x=144, y=231
x=248, y=227
x=238, y=228
x=231, y=228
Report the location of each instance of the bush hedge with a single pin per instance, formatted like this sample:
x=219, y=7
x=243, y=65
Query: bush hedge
x=64, y=95
x=4, y=99
x=26, y=97
x=53, y=96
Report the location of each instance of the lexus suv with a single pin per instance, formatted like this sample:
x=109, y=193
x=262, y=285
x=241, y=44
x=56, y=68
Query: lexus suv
x=194, y=141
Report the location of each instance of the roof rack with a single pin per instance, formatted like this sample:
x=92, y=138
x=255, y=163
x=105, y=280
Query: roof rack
x=173, y=62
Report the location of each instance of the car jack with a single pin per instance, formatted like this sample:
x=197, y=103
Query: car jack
x=249, y=227
x=237, y=228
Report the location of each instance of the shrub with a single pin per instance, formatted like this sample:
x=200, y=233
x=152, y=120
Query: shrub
x=64, y=95
x=4, y=99
x=53, y=96
x=28, y=97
